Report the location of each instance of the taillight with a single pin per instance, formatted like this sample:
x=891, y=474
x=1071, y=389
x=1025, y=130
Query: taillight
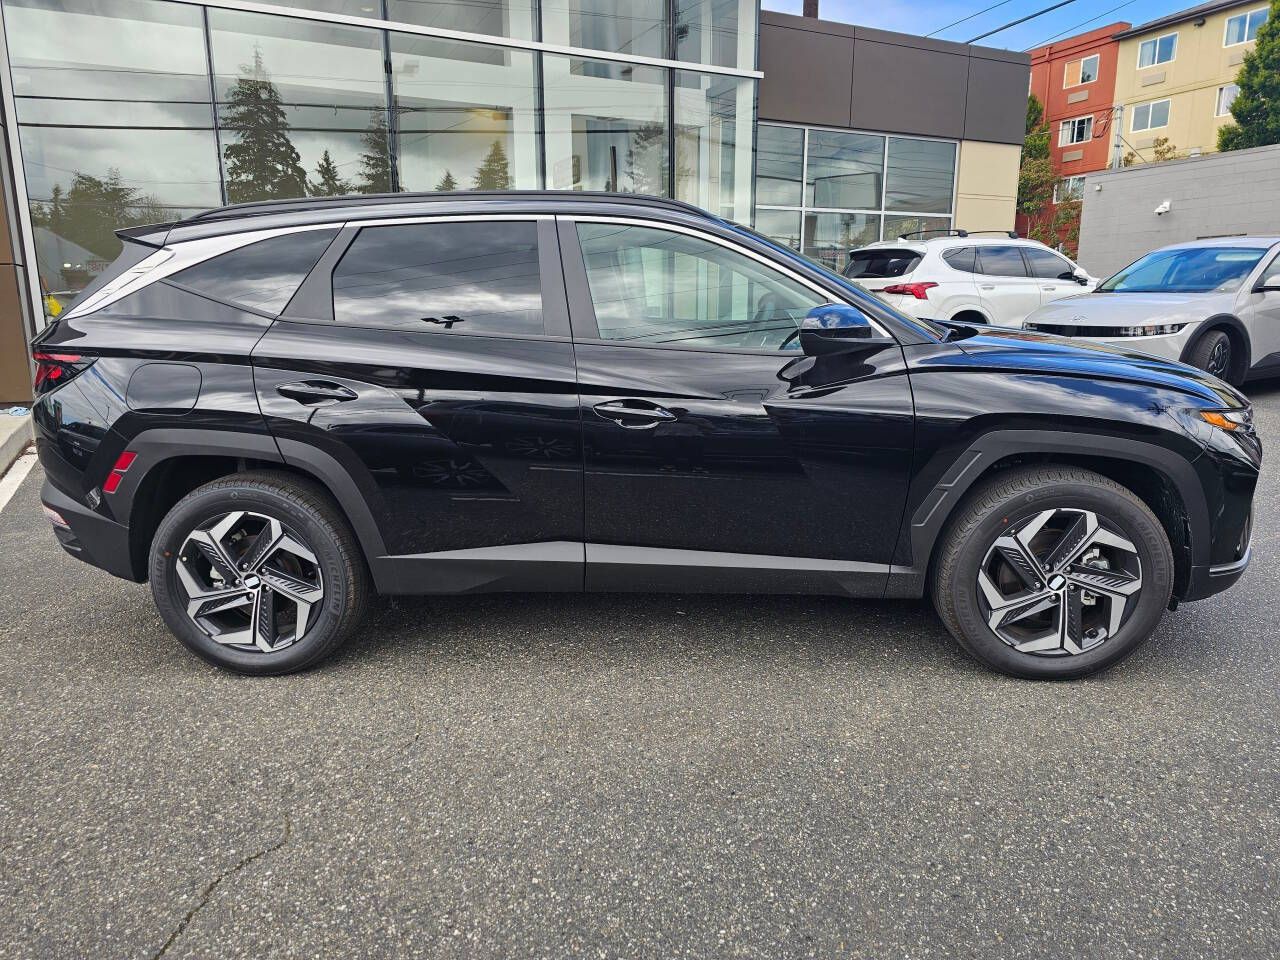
x=918, y=290
x=55, y=369
x=122, y=464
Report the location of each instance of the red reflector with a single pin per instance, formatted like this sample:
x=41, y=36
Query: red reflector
x=112, y=483
x=125, y=461
x=918, y=290
x=53, y=516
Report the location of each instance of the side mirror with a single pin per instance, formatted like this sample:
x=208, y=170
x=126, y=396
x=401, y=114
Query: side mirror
x=1082, y=278
x=839, y=328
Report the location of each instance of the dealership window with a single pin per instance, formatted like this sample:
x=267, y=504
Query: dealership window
x=1068, y=188
x=1244, y=27
x=719, y=32
x=713, y=118
x=1079, y=72
x=1157, y=50
x=638, y=27
x=857, y=188
x=1078, y=130
x=302, y=107
x=1150, y=116
x=1226, y=97
x=496, y=18
x=466, y=115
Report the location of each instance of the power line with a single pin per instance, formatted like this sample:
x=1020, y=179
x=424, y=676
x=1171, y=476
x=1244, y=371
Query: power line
x=1014, y=23
x=1083, y=23
x=955, y=23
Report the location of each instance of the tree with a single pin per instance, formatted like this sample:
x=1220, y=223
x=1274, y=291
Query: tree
x=263, y=164
x=646, y=161
x=1036, y=175
x=447, y=183
x=375, y=162
x=327, y=182
x=94, y=208
x=493, y=173
x=1256, y=108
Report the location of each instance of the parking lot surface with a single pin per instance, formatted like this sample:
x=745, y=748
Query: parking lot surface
x=632, y=776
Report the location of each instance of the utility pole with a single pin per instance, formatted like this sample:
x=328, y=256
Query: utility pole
x=811, y=9
x=1117, y=124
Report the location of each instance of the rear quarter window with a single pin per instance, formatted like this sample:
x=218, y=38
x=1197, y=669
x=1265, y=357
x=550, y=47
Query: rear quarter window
x=263, y=275
x=875, y=264
x=961, y=258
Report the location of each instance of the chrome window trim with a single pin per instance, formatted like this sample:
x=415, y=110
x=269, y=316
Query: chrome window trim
x=728, y=245
x=171, y=259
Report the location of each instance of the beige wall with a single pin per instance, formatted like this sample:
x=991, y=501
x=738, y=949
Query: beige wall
x=1190, y=81
x=986, y=185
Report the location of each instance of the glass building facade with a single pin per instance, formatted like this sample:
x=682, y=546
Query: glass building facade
x=826, y=191
x=137, y=111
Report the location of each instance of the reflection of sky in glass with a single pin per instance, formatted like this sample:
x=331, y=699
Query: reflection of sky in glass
x=483, y=274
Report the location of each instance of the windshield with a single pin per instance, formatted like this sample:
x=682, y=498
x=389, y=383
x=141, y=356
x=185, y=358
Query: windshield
x=851, y=285
x=1186, y=270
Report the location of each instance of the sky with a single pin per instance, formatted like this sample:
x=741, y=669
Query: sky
x=922, y=17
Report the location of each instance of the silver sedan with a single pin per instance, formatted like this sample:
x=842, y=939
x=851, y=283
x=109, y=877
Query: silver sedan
x=1214, y=304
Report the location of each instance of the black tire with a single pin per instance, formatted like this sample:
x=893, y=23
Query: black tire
x=1214, y=353
x=305, y=510
x=1001, y=505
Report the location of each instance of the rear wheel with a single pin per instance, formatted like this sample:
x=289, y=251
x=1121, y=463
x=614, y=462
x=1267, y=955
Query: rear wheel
x=1213, y=354
x=1052, y=572
x=258, y=573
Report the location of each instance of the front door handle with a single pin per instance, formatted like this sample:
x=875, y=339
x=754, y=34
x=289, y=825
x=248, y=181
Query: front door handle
x=634, y=414
x=314, y=393
x=987, y=286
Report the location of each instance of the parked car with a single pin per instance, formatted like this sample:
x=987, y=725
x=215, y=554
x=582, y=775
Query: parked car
x=967, y=278
x=1214, y=304
x=271, y=410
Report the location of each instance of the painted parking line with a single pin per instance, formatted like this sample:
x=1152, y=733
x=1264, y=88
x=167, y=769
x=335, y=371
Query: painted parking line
x=10, y=482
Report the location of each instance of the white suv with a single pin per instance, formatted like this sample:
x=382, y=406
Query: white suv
x=971, y=279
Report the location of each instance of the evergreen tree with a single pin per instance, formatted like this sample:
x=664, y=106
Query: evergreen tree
x=1036, y=176
x=646, y=161
x=375, y=162
x=447, y=183
x=262, y=164
x=94, y=208
x=1256, y=108
x=327, y=182
x=494, y=174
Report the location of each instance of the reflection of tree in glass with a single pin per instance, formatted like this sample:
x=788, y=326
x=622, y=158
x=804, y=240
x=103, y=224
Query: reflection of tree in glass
x=375, y=162
x=93, y=209
x=327, y=182
x=646, y=161
x=263, y=165
x=494, y=174
x=447, y=183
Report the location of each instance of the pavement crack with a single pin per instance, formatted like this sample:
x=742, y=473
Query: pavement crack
x=208, y=891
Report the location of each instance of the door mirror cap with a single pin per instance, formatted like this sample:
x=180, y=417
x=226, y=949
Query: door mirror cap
x=1081, y=277
x=839, y=328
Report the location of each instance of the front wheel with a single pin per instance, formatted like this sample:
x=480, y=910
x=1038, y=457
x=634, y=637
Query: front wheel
x=1052, y=573
x=258, y=573
x=1213, y=354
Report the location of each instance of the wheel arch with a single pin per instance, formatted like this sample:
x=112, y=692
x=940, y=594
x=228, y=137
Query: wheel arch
x=1240, y=340
x=1163, y=480
x=175, y=461
x=982, y=316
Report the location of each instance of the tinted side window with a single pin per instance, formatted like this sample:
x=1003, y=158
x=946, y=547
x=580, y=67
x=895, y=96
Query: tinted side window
x=1048, y=266
x=962, y=258
x=478, y=277
x=263, y=275
x=1001, y=262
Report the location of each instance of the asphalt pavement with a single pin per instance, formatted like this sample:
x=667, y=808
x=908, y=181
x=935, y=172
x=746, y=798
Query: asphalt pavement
x=632, y=776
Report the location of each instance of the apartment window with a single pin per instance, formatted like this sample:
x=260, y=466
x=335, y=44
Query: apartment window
x=1082, y=71
x=1226, y=96
x=1075, y=131
x=1068, y=188
x=1150, y=116
x=1157, y=50
x=1244, y=27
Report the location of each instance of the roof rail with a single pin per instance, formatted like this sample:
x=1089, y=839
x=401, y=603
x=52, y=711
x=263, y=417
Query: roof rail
x=266, y=207
x=1011, y=234
x=942, y=231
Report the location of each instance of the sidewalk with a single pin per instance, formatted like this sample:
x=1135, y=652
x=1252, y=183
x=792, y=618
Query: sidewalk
x=15, y=436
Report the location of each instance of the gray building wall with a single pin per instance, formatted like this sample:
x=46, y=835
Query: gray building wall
x=1222, y=194
x=841, y=75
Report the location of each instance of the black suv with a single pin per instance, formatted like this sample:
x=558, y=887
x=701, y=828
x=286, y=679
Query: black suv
x=271, y=409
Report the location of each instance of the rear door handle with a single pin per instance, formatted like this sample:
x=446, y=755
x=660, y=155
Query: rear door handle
x=634, y=414
x=314, y=393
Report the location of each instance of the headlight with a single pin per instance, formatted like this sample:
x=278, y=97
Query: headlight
x=1151, y=330
x=1239, y=418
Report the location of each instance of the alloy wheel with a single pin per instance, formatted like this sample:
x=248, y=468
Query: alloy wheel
x=1059, y=583
x=252, y=583
x=1219, y=358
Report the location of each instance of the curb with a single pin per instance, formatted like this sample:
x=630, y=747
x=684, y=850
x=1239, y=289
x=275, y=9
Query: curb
x=15, y=441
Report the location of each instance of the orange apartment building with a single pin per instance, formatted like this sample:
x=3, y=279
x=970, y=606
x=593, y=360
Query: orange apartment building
x=1075, y=79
